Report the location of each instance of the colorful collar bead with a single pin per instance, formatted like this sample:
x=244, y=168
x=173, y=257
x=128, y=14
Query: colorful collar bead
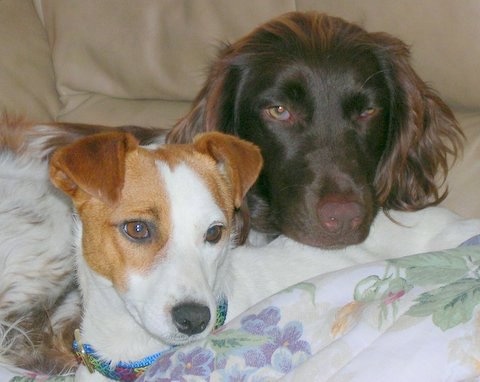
x=128, y=371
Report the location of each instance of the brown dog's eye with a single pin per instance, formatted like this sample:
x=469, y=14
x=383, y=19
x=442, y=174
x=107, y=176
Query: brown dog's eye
x=367, y=113
x=214, y=233
x=279, y=113
x=137, y=230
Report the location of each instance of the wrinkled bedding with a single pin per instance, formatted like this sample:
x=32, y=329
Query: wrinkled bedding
x=415, y=318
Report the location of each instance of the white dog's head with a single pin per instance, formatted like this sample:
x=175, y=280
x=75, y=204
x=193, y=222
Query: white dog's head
x=156, y=225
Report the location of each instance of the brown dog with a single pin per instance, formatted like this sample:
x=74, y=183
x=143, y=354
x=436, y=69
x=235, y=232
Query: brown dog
x=345, y=125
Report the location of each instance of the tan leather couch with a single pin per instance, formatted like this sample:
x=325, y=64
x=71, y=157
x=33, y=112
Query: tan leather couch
x=142, y=61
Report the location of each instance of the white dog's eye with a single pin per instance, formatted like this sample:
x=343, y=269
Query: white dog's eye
x=136, y=230
x=278, y=112
x=214, y=233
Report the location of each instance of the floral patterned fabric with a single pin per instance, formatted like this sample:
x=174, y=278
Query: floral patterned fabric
x=415, y=318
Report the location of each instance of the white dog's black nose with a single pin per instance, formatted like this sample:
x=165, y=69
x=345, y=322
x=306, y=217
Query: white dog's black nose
x=191, y=318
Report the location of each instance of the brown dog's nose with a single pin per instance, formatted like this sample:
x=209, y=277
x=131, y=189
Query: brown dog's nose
x=191, y=318
x=338, y=217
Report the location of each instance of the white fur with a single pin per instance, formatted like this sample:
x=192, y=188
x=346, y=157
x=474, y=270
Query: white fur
x=133, y=324
x=36, y=262
x=258, y=272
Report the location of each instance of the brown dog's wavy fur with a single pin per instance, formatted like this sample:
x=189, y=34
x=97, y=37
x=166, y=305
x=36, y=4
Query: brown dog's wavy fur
x=423, y=130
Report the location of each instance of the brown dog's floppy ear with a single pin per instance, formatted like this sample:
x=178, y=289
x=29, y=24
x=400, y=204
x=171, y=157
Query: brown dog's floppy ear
x=94, y=165
x=206, y=112
x=423, y=133
x=193, y=123
x=241, y=160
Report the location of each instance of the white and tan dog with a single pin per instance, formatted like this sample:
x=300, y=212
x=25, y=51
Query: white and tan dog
x=156, y=227
x=39, y=302
x=36, y=232
x=150, y=243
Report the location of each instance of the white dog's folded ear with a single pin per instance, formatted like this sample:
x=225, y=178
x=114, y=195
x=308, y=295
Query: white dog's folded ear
x=241, y=160
x=92, y=166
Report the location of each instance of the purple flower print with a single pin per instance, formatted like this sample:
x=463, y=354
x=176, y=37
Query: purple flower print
x=235, y=373
x=159, y=367
x=255, y=358
x=259, y=323
x=284, y=361
x=199, y=362
x=289, y=338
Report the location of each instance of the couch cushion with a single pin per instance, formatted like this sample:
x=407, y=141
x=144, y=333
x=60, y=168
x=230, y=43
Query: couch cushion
x=27, y=85
x=150, y=49
x=464, y=177
x=109, y=111
x=143, y=49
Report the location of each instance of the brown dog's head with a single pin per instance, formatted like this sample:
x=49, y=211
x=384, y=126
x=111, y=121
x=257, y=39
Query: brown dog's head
x=344, y=123
x=156, y=224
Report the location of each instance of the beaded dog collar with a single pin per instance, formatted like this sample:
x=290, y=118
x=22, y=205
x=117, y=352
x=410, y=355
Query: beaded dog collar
x=128, y=371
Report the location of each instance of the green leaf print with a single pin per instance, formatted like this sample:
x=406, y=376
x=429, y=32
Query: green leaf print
x=387, y=292
x=234, y=339
x=453, y=277
x=66, y=378
x=305, y=286
x=449, y=305
x=432, y=268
